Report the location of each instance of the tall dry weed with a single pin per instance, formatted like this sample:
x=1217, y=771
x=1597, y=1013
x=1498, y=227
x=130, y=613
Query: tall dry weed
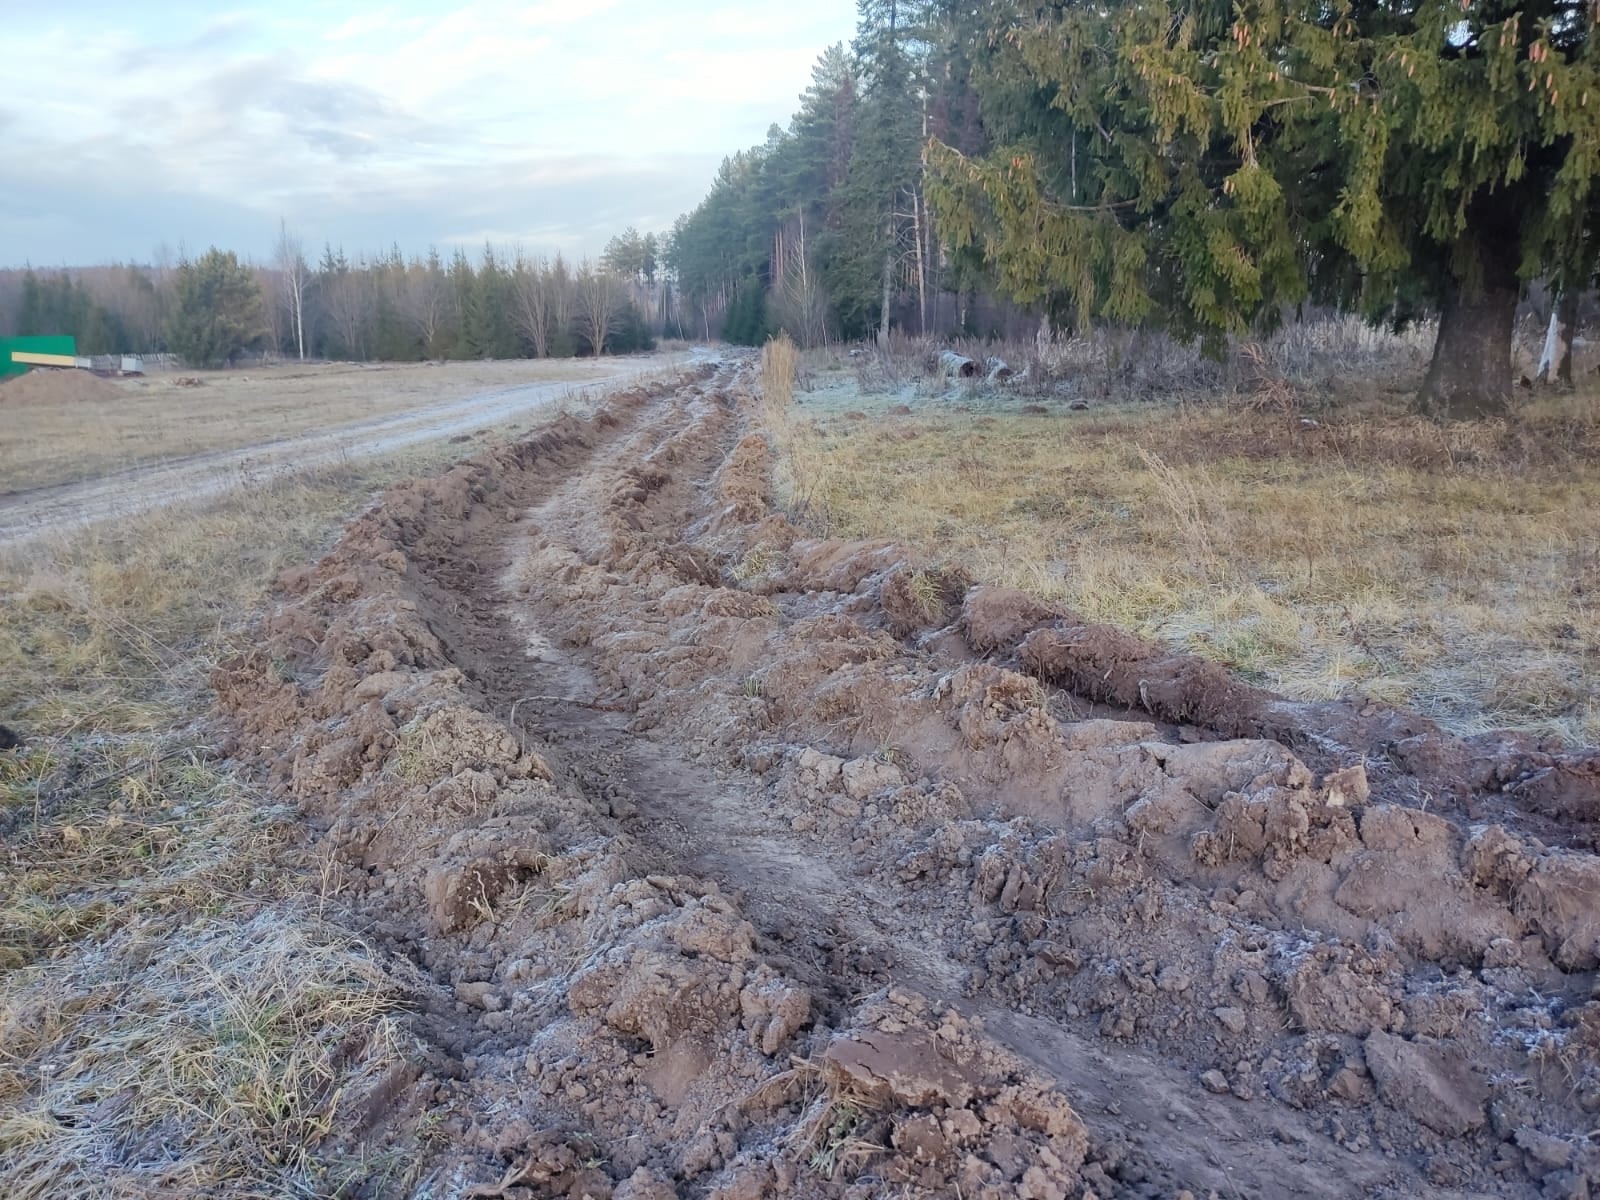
x=805, y=474
x=1182, y=501
x=1269, y=389
x=780, y=368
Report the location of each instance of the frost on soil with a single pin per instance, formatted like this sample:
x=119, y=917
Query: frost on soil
x=743, y=864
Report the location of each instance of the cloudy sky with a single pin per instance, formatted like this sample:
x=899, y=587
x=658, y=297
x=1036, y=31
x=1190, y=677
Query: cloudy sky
x=424, y=122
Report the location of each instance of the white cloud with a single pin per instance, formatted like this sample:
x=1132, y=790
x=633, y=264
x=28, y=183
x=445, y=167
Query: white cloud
x=548, y=121
x=360, y=25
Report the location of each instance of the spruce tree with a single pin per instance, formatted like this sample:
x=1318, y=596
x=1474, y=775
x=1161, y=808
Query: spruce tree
x=218, y=312
x=1208, y=164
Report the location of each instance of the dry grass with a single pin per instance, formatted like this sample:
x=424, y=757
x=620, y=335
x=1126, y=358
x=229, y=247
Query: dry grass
x=805, y=470
x=112, y=629
x=153, y=419
x=1317, y=358
x=1450, y=568
x=177, y=1016
x=174, y=1018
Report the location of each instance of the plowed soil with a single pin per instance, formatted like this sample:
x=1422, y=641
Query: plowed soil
x=736, y=864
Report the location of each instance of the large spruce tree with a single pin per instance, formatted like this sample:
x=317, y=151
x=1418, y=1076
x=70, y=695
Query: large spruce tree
x=218, y=312
x=1207, y=164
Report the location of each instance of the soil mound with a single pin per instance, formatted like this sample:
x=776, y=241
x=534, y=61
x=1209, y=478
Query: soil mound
x=743, y=864
x=42, y=387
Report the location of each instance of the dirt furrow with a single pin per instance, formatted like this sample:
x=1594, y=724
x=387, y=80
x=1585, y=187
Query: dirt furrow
x=823, y=894
x=735, y=863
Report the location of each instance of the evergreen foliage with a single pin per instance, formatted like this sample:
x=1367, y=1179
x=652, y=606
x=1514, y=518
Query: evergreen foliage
x=382, y=307
x=1205, y=165
x=632, y=334
x=218, y=310
x=60, y=304
x=746, y=323
x=824, y=198
x=828, y=215
x=632, y=255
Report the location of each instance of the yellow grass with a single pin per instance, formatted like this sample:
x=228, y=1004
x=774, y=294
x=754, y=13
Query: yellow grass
x=177, y=1015
x=154, y=419
x=1452, y=569
x=176, y=1018
x=805, y=467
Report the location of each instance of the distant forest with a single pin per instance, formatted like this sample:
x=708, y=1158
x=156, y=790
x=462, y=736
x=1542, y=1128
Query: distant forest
x=807, y=231
x=217, y=309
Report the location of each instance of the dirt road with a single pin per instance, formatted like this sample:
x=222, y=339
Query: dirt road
x=44, y=510
x=734, y=863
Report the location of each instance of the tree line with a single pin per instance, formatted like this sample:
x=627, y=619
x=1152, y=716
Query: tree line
x=215, y=308
x=504, y=305
x=824, y=228
x=1200, y=167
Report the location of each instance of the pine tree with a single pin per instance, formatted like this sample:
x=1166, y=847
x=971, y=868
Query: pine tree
x=30, y=310
x=218, y=312
x=747, y=317
x=490, y=332
x=463, y=283
x=880, y=188
x=1207, y=165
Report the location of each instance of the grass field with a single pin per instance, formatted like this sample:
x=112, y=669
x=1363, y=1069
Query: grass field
x=176, y=1016
x=1323, y=550
x=112, y=424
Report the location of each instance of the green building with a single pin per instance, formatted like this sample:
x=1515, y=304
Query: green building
x=64, y=345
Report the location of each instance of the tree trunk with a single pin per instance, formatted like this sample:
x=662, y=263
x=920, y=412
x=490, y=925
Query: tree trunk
x=922, y=281
x=1471, y=371
x=1567, y=314
x=958, y=365
x=888, y=281
x=919, y=210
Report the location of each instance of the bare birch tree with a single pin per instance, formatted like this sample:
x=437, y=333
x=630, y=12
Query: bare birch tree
x=290, y=257
x=344, y=294
x=424, y=299
x=802, y=306
x=534, y=301
x=597, y=304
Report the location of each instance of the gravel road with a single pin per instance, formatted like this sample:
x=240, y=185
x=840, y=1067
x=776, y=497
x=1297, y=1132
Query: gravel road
x=40, y=511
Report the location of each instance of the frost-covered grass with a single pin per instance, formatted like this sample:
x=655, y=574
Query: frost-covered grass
x=179, y=1015
x=1335, y=548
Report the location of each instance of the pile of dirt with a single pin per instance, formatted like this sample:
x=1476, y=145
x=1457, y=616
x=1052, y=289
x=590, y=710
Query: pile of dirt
x=44, y=387
x=744, y=864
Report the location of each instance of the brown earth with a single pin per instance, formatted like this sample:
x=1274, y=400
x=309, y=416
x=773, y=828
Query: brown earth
x=742, y=864
x=57, y=387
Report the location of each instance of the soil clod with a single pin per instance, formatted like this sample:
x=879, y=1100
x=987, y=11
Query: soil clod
x=744, y=863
